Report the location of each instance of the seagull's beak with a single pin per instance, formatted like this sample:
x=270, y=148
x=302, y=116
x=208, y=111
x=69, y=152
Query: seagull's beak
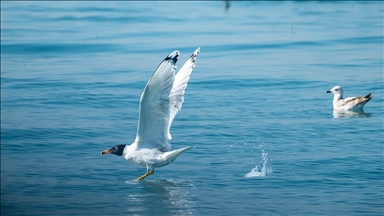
x=105, y=152
x=328, y=91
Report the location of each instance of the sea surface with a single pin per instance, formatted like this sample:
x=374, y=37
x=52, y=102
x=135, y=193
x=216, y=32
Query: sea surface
x=265, y=138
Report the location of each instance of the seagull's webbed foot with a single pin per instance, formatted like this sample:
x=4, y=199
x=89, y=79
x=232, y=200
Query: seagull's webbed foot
x=146, y=174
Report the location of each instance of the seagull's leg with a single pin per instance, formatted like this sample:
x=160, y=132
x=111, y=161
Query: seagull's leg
x=147, y=173
x=153, y=171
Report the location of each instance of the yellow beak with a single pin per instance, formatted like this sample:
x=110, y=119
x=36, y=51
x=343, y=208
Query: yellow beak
x=105, y=152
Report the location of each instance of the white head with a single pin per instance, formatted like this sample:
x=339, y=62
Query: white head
x=337, y=91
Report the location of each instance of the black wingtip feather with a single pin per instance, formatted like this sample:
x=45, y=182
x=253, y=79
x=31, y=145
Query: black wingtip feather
x=194, y=54
x=368, y=95
x=173, y=56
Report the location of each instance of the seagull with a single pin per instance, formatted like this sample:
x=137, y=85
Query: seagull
x=160, y=101
x=349, y=103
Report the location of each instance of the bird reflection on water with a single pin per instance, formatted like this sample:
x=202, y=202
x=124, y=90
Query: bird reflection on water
x=350, y=114
x=173, y=197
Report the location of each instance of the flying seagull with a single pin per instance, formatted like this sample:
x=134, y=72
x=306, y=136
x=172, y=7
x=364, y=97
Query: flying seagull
x=159, y=103
x=349, y=103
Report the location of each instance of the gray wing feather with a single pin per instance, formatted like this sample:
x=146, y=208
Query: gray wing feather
x=154, y=110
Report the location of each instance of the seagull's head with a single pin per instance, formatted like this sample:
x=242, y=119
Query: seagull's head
x=336, y=90
x=117, y=150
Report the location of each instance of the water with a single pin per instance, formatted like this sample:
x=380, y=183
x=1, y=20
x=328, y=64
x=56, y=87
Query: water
x=265, y=139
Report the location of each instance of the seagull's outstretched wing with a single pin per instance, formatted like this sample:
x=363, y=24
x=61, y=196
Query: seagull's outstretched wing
x=179, y=86
x=154, y=110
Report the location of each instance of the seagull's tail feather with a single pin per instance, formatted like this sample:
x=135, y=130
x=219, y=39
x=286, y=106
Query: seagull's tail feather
x=366, y=99
x=361, y=101
x=172, y=155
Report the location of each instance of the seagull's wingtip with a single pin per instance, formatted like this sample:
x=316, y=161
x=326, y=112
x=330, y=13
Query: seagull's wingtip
x=197, y=51
x=174, y=56
x=194, y=54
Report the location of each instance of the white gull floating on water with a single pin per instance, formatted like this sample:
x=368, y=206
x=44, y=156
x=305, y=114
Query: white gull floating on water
x=159, y=103
x=349, y=103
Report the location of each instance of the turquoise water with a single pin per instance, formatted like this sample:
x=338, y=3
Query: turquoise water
x=265, y=139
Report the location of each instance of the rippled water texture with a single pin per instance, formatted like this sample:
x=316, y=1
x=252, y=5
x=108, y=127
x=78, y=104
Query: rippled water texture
x=265, y=139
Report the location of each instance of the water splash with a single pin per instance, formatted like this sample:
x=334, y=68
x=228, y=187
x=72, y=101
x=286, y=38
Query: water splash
x=263, y=168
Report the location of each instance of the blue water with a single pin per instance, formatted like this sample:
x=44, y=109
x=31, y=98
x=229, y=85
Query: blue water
x=265, y=139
